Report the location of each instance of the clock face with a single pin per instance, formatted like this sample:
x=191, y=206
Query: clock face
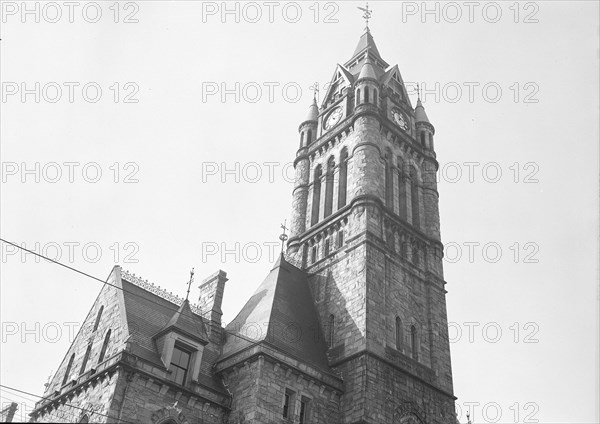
x=334, y=117
x=400, y=119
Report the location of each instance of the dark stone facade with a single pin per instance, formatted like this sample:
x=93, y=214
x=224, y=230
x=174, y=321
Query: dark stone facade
x=349, y=326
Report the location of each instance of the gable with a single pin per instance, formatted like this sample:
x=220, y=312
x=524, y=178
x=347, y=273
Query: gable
x=392, y=79
x=110, y=303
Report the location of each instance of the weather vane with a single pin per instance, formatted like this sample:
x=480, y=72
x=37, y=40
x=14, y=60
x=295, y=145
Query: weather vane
x=190, y=284
x=367, y=14
x=315, y=88
x=283, y=237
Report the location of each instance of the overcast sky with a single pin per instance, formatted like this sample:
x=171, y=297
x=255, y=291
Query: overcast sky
x=191, y=176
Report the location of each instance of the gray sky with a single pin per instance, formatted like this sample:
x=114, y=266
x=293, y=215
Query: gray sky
x=191, y=179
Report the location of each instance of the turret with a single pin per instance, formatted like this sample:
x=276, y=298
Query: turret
x=367, y=84
x=425, y=130
x=308, y=127
x=308, y=133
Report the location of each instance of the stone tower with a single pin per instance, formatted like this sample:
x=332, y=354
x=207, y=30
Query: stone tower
x=365, y=228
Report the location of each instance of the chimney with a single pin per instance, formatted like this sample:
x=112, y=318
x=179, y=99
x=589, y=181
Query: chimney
x=211, y=298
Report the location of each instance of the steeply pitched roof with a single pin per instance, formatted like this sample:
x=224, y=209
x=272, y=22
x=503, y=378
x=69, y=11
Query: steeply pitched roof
x=420, y=114
x=187, y=323
x=366, y=49
x=367, y=71
x=148, y=314
x=281, y=313
x=313, y=111
x=366, y=42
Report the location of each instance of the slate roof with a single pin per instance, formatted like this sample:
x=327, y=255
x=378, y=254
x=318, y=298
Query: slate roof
x=366, y=41
x=420, y=114
x=281, y=313
x=187, y=323
x=149, y=314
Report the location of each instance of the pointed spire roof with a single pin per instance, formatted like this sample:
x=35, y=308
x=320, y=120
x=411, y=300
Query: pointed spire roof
x=313, y=111
x=281, y=313
x=186, y=322
x=420, y=114
x=367, y=70
x=366, y=49
x=366, y=42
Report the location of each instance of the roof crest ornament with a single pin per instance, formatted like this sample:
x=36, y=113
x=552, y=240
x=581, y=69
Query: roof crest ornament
x=190, y=284
x=283, y=237
x=157, y=290
x=366, y=14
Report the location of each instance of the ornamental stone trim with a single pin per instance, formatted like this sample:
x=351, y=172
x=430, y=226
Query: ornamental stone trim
x=157, y=290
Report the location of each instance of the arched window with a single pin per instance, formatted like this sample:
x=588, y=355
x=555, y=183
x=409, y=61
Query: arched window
x=340, y=239
x=389, y=182
x=401, y=190
x=375, y=97
x=416, y=256
x=414, y=342
x=68, y=370
x=86, y=357
x=366, y=94
x=98, y=318
x=327, y=244
x=329, y=187
x=423, y=138
x=302, y=139
x=399, y=335
x=430, y=141
x=343, y=178
x=316, y=195
x=358, y=96
x=308, y=137
x=304, y=255
x=104, y=346
x=414, y=197
x=330, y=330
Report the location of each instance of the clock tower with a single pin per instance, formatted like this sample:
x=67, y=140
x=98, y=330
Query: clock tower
x=365, y=227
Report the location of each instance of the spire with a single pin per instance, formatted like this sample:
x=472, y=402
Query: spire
x=420, y=114
x=313, y=110
x=367, y=70
x=366, y=42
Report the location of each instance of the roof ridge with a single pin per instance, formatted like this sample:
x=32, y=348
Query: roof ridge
x=158, y=291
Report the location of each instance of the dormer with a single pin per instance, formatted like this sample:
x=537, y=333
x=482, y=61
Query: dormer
x=181, y=345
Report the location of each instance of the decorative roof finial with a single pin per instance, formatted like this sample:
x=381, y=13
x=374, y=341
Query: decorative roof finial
x=366, y=15
x=190, y=284
x=315, y=89
x=418, y=92
x=283, y=237
x=468, y=418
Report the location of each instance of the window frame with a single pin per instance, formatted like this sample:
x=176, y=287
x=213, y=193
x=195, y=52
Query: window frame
x=179, y=347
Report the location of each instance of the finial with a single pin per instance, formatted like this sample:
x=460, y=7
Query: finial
x=283, y=237
x=47, y=383
x=190, y=284
x=315, y=89
x=418, y=92
x=366, y=15
x=468, y=418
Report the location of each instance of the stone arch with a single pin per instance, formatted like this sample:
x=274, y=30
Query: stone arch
x=408, y=413
x=169, y=415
